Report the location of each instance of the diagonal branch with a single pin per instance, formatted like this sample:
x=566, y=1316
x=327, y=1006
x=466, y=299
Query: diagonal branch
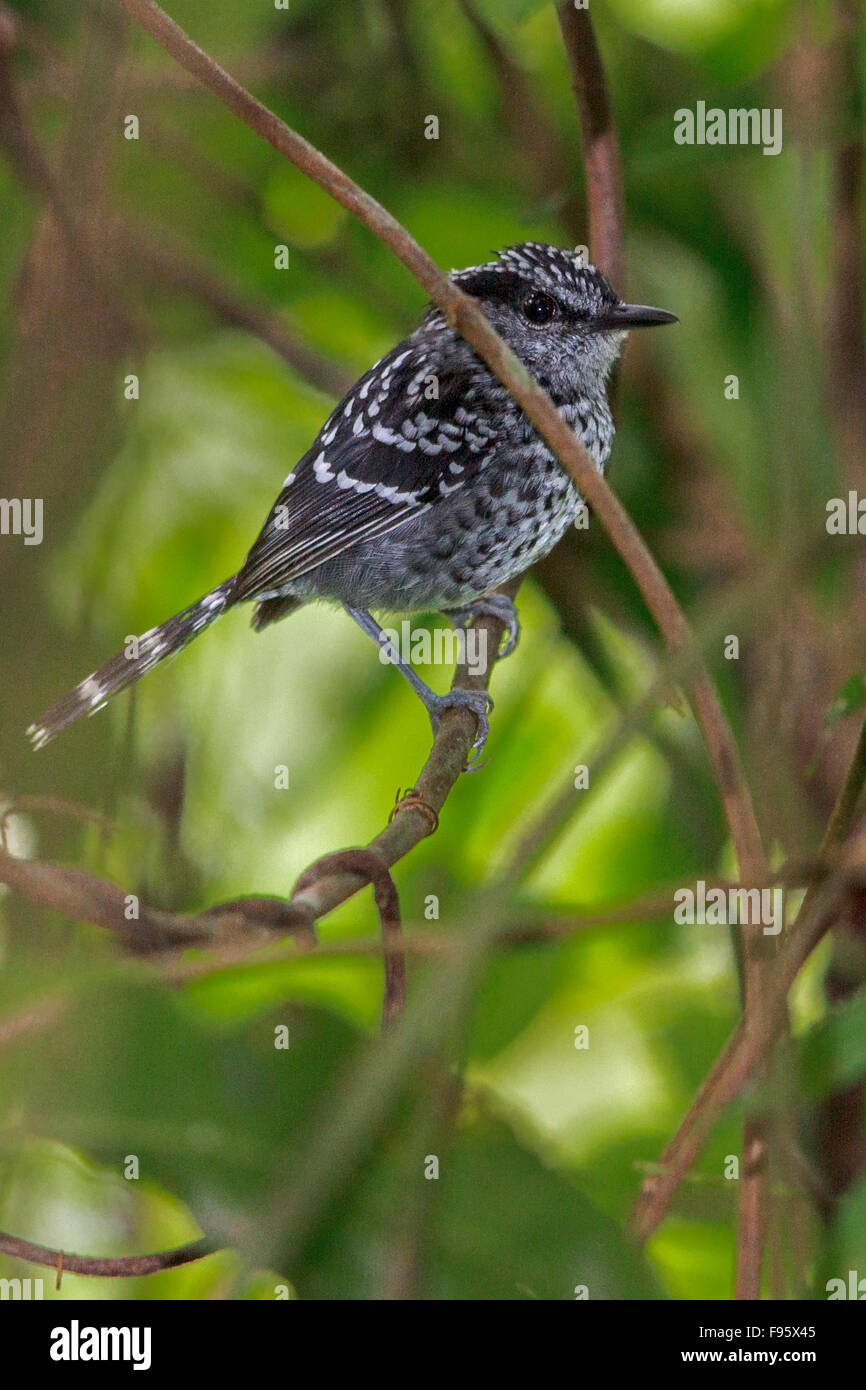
x=165, y=268
x=469, y=320
x=255, y=920
x=758, y=1027
x=530, y=131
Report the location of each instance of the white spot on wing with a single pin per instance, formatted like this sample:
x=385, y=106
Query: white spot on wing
x=344, y=481
x=391, y=494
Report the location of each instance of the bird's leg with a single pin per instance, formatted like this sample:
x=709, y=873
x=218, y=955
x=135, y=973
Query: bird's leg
x=478, y=701
x=493, y=606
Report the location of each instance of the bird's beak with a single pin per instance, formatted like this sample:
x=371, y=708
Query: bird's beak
x=626, y=316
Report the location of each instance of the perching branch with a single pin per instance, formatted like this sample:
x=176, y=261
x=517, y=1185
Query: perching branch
x=373, y=867
x=254, y=921
x=239, y=928
x=469, y=320
x=99, y=1267
x=467, y=317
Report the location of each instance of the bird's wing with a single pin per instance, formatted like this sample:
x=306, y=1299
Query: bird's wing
x=399, y=442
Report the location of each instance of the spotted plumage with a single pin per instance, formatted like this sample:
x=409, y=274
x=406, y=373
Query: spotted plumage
x=427, y=487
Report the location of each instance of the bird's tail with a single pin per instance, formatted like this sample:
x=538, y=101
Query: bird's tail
x=139, y=655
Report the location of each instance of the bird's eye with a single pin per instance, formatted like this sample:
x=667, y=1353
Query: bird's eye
x=539, y=308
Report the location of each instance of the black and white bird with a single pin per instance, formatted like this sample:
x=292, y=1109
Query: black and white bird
x=427, y=487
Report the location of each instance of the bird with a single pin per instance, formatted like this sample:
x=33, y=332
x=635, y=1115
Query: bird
x=427, y=488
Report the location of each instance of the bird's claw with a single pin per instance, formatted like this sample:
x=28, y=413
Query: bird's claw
x=480, y=704
x=494, y=606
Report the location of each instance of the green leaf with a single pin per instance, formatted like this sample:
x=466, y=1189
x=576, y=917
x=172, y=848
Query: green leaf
x=850, y=697
x=832, y=1054
x=495, y=1224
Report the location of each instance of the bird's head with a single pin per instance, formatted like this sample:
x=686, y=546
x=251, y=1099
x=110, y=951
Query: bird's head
x=559, y=315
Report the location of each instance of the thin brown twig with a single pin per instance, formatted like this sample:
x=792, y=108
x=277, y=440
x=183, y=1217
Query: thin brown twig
x=32, y=1018
x=165, y=268
x=372, y=866
x=82, y=897
x=106, y=1267
x=520, y=926
x=756, y=1029
x=56, y=806
x=251, y=922
x=467, y=317
x=743, y=1052
x=155, y=263
x=469, y=320
x=530, y=131
x=238, y=928
x=34, y=171
x=132, y=4
x=754, y=1194
x=601, y=159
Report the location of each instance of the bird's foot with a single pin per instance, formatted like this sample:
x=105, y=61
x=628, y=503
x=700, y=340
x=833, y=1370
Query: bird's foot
x=493, y=606
x=480, y=704
x=477, y=700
